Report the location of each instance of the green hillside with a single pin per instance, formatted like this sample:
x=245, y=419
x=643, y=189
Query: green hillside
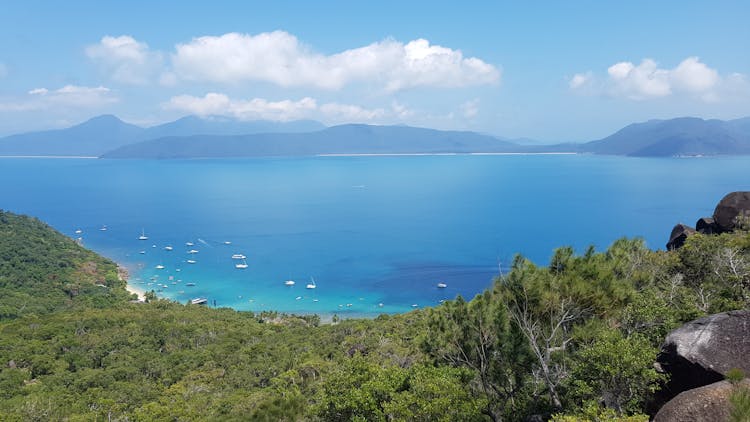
x=576, y=337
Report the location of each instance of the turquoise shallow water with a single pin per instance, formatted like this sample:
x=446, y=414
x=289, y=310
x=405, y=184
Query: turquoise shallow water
x=370, y=230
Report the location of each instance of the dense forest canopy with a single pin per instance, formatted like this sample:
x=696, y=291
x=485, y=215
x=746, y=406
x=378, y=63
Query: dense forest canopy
x=571, y=340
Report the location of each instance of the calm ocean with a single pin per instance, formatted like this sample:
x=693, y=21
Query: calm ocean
x=376, y=233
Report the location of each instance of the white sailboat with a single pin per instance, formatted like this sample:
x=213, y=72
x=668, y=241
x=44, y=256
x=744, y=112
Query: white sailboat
x=241, y=266
x=311, y=284
x=168, y=248
x=238, y=256
x=442, y=285
x=289, y=283
x=143, y=235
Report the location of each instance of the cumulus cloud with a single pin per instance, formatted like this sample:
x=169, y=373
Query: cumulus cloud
x=69, y=96
x=126, y=60
x=647, y=80
x=306, y=108
x=639, y=82
x=254, y=109
x=279, y=58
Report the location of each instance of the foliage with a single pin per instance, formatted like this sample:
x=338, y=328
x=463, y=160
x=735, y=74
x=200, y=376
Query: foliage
x=617, y=371
x=42, y=271
x=739, y=402
x=572, y=340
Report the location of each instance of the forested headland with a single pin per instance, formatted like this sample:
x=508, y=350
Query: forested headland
x=572, y=339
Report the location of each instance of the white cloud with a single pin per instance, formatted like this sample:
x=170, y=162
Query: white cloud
x=693, y=76
x=279, y=58
x=647, y=80
x=284, y=110
x=69, y=96
x=126, y=60
x=401, y=111
x=350, y=113
x=470, y=108
x=579, y=80
x=77, y=96
x=254, y=109
x=639, y=82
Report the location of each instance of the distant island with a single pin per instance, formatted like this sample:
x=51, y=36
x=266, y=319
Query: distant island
x=219, y=137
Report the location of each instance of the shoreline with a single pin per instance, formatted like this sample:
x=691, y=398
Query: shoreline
x=124, y=275
x=418, y=154
x=325, y=317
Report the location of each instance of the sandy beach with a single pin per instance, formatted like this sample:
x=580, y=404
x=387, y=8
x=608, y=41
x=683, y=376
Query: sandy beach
x=124, y=275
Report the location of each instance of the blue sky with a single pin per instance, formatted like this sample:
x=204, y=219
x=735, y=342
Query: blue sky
x=553, y=71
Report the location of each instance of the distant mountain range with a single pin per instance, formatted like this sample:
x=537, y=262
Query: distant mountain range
x=105, y=133
x=344, y=139
x=685, y=136
x=198, y=137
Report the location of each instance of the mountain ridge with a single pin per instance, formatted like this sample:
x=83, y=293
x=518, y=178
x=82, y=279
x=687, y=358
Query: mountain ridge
x=106, y=132
x=342, y=139
x=215, y=136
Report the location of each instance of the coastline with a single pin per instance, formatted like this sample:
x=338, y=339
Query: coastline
x=411, y=154
x=123, y=275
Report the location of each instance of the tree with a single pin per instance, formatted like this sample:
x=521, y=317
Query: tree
x=617, y=371
x=478, y=335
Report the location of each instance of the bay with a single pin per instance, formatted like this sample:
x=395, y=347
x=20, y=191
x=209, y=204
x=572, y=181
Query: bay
x=377, y=234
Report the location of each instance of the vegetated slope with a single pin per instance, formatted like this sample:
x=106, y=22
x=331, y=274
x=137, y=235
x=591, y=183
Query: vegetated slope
x=577, y=336
x=344, y=139
x=42, y=271
x=677, y=137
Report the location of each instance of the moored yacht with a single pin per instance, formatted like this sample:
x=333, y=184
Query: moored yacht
x=311, y=284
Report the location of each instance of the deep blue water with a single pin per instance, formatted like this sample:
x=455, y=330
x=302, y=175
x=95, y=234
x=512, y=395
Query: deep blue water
x=370, y=230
